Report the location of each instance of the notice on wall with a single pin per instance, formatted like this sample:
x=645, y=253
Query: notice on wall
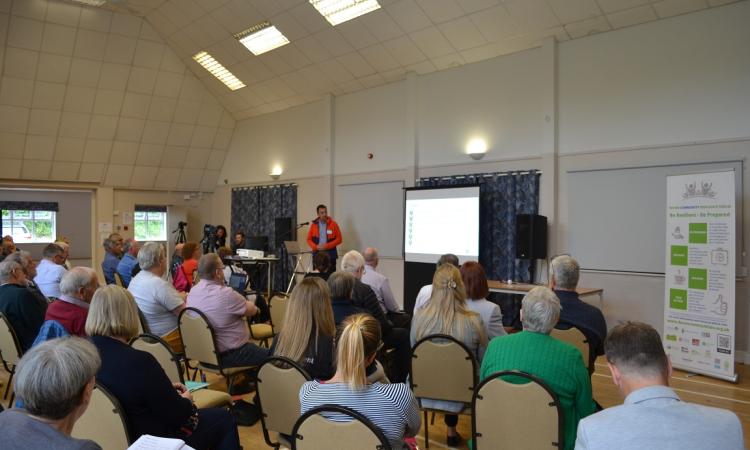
x=699, y=285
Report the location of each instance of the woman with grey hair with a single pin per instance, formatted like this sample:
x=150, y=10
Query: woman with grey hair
x=55, y=380
x=534, y=351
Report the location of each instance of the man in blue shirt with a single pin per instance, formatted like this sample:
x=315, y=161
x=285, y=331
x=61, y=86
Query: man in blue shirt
x=112, y=254
x=128, y=261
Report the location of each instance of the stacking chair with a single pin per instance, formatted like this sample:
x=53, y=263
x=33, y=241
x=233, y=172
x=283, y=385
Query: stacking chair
x=118, y=280
x=159, y=349
x=260, y=332
x=277, y=307
x=525, y=415
x=199, y=341
x=10, y=353
x=442, y=368
x=279, y=382
x=313, y=431
x=577, y=339
x=104, y=422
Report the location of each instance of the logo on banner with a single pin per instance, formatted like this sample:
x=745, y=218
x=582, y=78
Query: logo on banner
x=694, y=190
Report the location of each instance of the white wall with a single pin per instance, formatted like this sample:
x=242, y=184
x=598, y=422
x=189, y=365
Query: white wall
x=646, y=88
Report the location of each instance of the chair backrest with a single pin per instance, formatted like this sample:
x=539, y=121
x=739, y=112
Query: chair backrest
x=576, y=338
x=525, y=415
x=103, y=422
x=198, y=337
x=142, y=324
x=277, y=307
x=159, y=349
x=118, y=280
x=348, y=429
x=10, y=347
x=429, y=379
x=278, y=384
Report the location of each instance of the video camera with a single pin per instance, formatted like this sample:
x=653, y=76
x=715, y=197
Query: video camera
x=209, y=239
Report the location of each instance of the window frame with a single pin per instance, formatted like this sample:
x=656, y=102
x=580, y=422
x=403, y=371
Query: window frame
x=34, y=219
x=162, y=237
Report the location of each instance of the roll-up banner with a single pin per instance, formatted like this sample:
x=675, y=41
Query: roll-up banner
x=699, y=279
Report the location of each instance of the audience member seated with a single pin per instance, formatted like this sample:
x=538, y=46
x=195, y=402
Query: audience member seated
x=190, y=254
x=563, y=275
x=382, y=288
x=475, y=283
x=72, y=306
x=534, y=351
x=159, y=302
x=239, y=241
x=28, y=265
x=65, y=240
x=395, y=338
x=55, y=380
x=176, y=258
x=129, y=260
x=50, y=270
x=424, y=294
x=227, y=311
x=447, y=313
x=390, y=407
x=226, y=252
x=8, y=247
x=309, y=329
x=152, y=403
x=653, y=415
x=341, y=285
x=221, y=236
x=321, y=266
x=19, y=305
x=112, y=254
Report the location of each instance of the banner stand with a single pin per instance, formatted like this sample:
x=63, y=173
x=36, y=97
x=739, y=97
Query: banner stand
x=699, y=278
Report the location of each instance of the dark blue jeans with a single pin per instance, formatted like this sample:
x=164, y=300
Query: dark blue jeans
x=247, y=355
x=216, y=431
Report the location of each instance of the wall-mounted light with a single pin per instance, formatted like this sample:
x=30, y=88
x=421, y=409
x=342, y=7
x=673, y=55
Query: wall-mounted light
x=276, y=172
x=476, y=148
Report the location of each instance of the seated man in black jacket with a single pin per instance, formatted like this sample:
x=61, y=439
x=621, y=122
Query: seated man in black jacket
x=19, y=305
x=393, y=337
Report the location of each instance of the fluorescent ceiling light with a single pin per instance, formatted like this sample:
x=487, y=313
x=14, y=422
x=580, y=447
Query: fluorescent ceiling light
x=91, y=2
x=225, y=76
x=262, y=38
x=339, y=11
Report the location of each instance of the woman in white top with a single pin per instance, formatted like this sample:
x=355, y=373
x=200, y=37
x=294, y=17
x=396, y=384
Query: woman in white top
x=390, y=407
x=475, y=282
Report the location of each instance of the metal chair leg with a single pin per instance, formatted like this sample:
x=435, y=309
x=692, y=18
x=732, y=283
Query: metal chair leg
x=426, y=434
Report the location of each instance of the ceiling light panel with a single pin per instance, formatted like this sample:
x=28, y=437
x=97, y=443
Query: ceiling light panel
x=91, y=2
x=225, y=76
x=339, y=11
x=262, y=38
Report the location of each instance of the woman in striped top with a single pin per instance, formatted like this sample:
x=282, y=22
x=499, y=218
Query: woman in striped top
x=391, y=407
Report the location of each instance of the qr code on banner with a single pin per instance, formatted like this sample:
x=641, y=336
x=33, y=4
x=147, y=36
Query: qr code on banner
x=724, y=343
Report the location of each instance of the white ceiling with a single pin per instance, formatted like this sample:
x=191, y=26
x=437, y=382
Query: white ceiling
x=380, y=47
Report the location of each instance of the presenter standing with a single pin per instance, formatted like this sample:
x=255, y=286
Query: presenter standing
x=324, y=236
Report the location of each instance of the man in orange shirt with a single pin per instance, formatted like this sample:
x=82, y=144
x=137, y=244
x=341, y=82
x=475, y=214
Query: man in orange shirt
x=324, y=236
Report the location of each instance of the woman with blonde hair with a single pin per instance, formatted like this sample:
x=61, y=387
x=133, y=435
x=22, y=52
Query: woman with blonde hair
x=152, y=403
x=308, y=331
x=390, y=407
x=447, y=313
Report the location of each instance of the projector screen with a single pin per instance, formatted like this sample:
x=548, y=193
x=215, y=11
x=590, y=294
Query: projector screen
x=439, y=221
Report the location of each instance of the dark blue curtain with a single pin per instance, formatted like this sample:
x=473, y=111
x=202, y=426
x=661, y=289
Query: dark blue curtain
x=501, y=197
x=254, y=210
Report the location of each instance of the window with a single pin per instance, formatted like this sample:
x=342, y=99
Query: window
x=29, y=226
x=150, y=224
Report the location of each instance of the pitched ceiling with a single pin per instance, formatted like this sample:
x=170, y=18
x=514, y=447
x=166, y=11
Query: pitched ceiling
x=380, y=47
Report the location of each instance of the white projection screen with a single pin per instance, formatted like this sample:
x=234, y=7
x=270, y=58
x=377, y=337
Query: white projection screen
x=439, y=221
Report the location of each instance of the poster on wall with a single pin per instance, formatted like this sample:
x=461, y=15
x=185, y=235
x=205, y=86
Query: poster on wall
x=699, y=283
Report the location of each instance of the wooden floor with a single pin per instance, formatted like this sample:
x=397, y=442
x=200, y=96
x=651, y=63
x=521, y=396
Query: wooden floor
x=691, y=388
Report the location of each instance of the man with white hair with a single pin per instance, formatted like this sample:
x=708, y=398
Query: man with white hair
x=558, y=364
x=363, y=297
x=71, y=308
x=157, y=299
x=28, y=265
x=563, y=279
x=24, y=312
x=55, y=380
x=382, y=289
x=129, y=260
x=50, y=270
x=653, y=415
